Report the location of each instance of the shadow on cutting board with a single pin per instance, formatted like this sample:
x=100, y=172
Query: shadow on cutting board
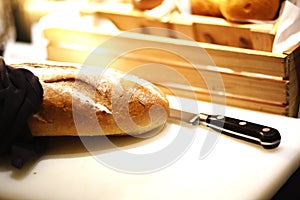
x=74, y=147
x=70, y=147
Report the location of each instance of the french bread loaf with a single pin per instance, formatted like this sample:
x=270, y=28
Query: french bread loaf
x=146, y=4
x=237, y=10
x=243, y=10
x=206, y=7
x=121, y=104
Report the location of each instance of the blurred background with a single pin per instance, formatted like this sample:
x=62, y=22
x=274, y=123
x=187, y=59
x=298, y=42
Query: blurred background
x=6, y=23
x=17, y=17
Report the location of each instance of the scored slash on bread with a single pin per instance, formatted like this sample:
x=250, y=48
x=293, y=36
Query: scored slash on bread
x=75, y=97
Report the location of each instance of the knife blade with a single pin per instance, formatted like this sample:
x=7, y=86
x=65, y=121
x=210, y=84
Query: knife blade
x=265, y=136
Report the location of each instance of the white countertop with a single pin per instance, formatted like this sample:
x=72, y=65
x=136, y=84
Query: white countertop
x=232, y=170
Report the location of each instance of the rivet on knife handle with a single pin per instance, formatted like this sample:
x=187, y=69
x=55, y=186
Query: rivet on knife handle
x=266, y=136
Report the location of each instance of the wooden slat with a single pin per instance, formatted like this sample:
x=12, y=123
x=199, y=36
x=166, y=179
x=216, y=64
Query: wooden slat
x=262, y=41
x=236, y=59
x=223, y=35
x=293, y=63
x=130, y=23
x=79, y=35
x=230, y=100
x=254, y=62
x=234, y=36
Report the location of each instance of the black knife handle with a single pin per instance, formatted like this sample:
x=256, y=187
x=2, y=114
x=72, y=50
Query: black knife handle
x=266, y=136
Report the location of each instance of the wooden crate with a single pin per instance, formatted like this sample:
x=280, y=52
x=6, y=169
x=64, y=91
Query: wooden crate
x=253, y=79
x=200, y=28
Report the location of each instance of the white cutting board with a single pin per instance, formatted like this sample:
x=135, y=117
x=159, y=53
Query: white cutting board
x=232, y=170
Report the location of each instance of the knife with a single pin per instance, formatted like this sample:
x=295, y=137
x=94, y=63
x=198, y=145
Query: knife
x=265, y=136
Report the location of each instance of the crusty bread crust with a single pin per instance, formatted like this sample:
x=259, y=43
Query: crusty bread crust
x=73, y=100
x=241, y=10
x=146, y=4
x=237, y=10
x=206, y=7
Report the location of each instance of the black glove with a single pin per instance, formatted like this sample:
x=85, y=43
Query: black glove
x=21, y=95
